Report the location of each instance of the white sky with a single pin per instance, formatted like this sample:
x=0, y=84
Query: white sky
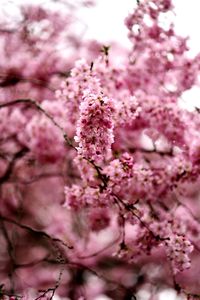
x=105, y=21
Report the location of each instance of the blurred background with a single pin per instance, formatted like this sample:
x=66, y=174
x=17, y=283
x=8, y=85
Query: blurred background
x=104, y=22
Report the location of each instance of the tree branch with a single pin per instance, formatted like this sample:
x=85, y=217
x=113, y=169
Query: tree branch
x=39, y=108
x=38, y=232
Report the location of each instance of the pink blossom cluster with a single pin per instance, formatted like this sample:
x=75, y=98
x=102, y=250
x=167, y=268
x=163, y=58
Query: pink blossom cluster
x=178, y=247
x=95, y=127
x=72, y=91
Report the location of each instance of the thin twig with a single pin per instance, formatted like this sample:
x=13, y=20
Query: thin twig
x=39, y=232
x=39, y=108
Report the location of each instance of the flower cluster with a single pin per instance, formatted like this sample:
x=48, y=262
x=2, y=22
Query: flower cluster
x=95, y=127
x=177, y=245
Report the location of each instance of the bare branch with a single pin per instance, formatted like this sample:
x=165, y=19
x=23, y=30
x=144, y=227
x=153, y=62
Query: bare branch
x=38, y=232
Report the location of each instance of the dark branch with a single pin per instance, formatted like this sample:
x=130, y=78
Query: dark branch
x=10, y=167
x=38, y=232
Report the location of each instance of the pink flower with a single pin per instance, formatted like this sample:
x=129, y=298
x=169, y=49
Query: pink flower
x=94, y=133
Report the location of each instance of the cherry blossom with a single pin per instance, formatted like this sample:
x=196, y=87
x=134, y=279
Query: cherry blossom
x=99, y=161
